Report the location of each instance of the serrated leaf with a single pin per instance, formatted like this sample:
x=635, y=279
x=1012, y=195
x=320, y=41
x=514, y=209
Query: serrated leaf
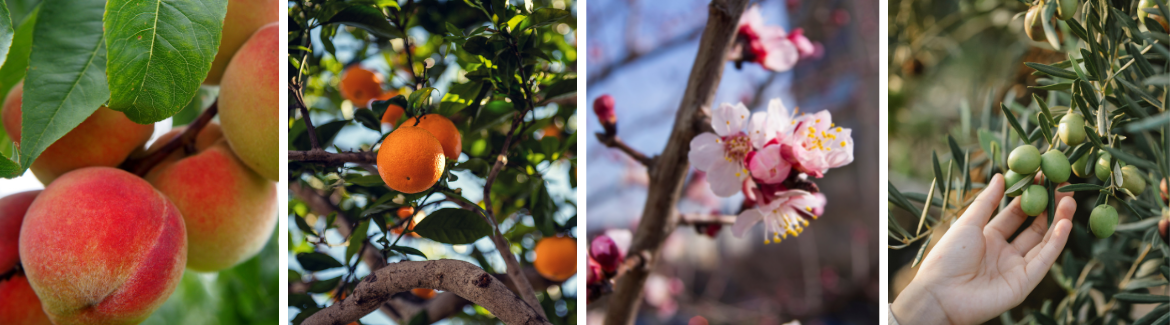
x=315, y=261
x=6, y=32
x=453, y=226
x=16, y=64
x=159, y=53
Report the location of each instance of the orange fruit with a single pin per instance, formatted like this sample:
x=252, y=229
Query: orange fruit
x=445, y=131
x=404, y=212
x=359, y=85
x=552, y=131
x=410, y=160
x=556, y=258
x=423, y=293
x=408, y=212
x=393, y=113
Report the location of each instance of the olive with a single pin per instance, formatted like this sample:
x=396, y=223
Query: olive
x=1102, y=169
x=1055, y=166
x=1011, y=178
x=1072, y=129
x=1030, y=24
x=1067, y=9
x=1078, y=167
x=1034, y=200
x=1024, y=159
x=1131, y=179
x=1103, y=220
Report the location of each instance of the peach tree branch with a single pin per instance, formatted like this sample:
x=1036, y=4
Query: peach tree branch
x=659, y=218
x=143, y=165
x=461, y=278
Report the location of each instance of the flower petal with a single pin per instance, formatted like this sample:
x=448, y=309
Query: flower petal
x=745, y=221
x=725, y=177
x=705, y=150
x=729, y=119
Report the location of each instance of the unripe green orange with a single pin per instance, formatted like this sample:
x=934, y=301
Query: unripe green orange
x=1034, y=200
x=1078, y=167
x=1102, y=169
x=1103, y=220
x=1055, y=166
x=1011, y=178
x=1131, y=179
x=1024, y=159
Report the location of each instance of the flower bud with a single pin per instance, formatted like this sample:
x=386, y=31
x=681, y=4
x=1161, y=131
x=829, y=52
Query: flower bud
x=605, y=251
x=595, y=273
x=603, y=107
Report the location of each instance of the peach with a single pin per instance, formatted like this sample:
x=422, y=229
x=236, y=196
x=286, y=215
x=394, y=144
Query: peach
x=229, y=210
x=249, y=103
x=243, y=18
x=106, y=138
x=21, y=305
x=101, y=246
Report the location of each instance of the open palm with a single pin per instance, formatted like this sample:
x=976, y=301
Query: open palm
x=974, y=273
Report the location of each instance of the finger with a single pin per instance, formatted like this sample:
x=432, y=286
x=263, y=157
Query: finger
x=980, y=210
x=1038, y=231
x=1012, y=216
x=1047, y=253
x=1063, y=212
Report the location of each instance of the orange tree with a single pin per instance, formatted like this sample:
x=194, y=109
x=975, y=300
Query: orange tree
x=431, y=147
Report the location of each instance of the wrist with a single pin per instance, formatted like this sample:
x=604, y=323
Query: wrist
x=917, y=305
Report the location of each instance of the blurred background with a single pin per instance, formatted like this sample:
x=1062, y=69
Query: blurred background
x=640, y=52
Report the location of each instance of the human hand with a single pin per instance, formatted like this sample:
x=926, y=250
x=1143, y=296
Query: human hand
x=974, y=273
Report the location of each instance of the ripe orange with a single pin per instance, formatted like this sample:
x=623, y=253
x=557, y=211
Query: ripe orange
x=410, y=160
x=408, y=212
x=423, y=293
x=556, y=258
x=359, y=85
x=552, y=131
x=404, y=212
x=445, y=131
x=393, y=113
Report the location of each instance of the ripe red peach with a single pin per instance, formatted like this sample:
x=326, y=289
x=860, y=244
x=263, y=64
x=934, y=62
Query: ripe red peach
x=229, y=210
x=20, y=304
x=249, y=103
x=106, y=138
x=243, y=18
x=101, y=246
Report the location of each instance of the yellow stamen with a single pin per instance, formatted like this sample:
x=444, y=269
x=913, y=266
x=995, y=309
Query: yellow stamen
x=839, y=129
x=842, y=143
x=809, y=209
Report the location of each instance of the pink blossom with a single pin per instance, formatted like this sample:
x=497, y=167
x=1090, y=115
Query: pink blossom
x=806, y=48
x=763, y=44
x=819, y=145
x=721, y=154
x=787, y=214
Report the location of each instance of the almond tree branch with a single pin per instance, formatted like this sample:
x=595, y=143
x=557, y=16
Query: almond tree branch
x=701, y=219
x=143, y=165
x=670, y=169
x=615, y=142
x=459, y=277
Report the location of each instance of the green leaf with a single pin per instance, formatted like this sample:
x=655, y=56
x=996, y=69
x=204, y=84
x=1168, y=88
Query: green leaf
x=543, y=209
x=66, y=79
x=1015, y=123
x=1130, y=158
x=453, y=226
x=1051, y=70
x=419, y=97
x=159, y=53
x=368, y=18
x=304, y=226
x=16, y=63
x=1141, y=298
x=420, y=319
x=356, y=238
x=563, y=88
x=1149, y=123
x=9, y=168
x=315, y=261
x=408, y=250
x=368, y=181
x=368, y=119
x=1080, y=187
x=899, y=200
x=323, y=286
x=956, y=152
x=1055, y=86
x=921, y=251
x=202, y=100
x=1025, y=181
x=6, y=32
x=542, y=17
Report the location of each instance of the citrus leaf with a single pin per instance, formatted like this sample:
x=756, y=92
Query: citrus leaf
x=368, y=18
x=408, y=250
x=356, y=238
x=317, y=261
x=543, y=16
x=453, y=226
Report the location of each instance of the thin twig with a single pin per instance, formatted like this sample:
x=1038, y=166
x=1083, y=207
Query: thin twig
x=298, y=95
x=616, y=142
x=143, y=165
x=322, y=156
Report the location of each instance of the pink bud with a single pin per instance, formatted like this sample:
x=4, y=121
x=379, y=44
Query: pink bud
x=596, y=275
x=605, y=251
x=603, y=107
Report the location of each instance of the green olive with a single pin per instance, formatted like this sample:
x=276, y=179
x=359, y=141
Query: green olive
x=1102, y=169
x=1103, y=220
x=1024, y=159
x=1011, y=178
x=1034, y=200
x=1072, y=129
x=1030, y=23
x=1141, y=13
x=1055, y=166
x=1078, y=167
x=1067, y=9
x=1131, y=179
